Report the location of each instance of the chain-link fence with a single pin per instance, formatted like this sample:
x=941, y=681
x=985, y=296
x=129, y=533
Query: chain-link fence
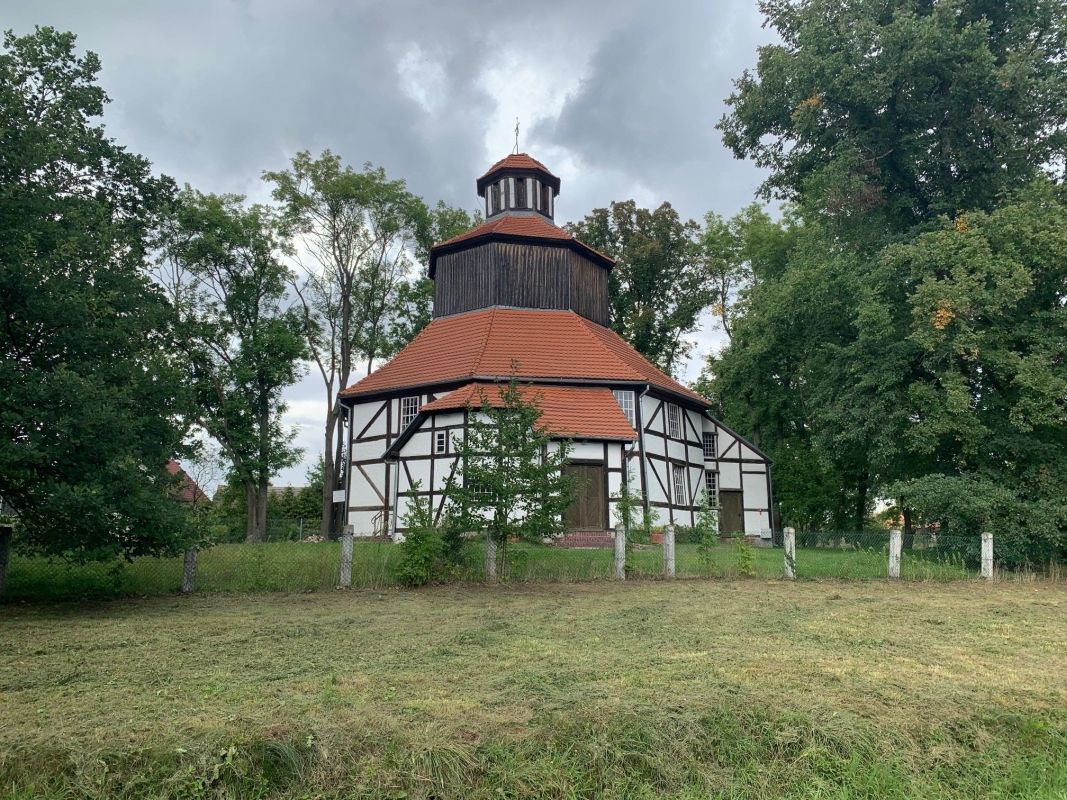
x=311, y=565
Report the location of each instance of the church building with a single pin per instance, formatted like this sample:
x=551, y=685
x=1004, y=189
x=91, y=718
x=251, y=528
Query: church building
x=520, y=295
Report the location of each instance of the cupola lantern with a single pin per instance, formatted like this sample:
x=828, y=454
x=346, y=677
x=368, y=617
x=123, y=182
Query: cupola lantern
x=518, y=184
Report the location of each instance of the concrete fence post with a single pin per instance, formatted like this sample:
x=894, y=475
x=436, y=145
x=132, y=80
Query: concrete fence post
x=789, y=540
x=346, y=557
x=894, y=553
x=668, y=550
x=620, y=552
x=490, y=556
x=189, y=571
x=987, y=556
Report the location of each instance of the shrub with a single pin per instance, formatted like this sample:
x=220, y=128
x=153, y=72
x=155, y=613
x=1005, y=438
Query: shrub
x=423, y=546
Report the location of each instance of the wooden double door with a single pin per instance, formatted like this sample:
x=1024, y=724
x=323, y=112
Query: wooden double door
x=589, y=511
x=731, y=511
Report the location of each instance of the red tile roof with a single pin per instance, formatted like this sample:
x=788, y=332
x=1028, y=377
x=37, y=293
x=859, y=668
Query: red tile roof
x=558, y=345
x=575, y=412
x=516, y=161
x=514, y=225
x=526, y=226
x=188, y=491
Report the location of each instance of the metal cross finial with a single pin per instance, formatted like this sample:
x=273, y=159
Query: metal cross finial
x=516, y=135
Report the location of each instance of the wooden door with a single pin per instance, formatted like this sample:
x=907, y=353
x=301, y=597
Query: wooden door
x=589, y=511
x=731, y=515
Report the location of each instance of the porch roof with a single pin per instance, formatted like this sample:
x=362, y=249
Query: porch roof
x=574, y=412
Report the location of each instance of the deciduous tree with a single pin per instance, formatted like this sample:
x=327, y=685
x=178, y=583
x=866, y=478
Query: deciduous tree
x=242, y=345
x=510, y=480
x=658, y=286
x=92, y=404
x=354, y=234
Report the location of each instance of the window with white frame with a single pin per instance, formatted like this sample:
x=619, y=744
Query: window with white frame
x=441, y=442
x=711, y=487
x=709, y=445
x=409, y=409
x=680, y=496
x=625, y=399
x=674, y=421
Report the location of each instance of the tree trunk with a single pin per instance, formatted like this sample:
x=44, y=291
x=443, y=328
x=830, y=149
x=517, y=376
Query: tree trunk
x=256, y=505
x=5, y=555
x=261, y=509
x=860, y=514
x=340, y=472
x=329, y=472
x=909, y=528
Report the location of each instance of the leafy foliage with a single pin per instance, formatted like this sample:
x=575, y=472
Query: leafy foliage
x=898, y=112
x=903, y=333
x=353, y=233
x=510, y=481
x=92, y=405
x=423, y=546
x=241, y=347
x=657, y=287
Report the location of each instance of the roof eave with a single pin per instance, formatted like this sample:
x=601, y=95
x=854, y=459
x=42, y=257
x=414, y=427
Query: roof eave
x=573, y=244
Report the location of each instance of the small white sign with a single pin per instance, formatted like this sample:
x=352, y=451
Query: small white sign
x=338, y=495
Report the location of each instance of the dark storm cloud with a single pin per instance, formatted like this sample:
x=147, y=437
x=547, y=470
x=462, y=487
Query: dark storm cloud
x=629, y=92
x=647, y=107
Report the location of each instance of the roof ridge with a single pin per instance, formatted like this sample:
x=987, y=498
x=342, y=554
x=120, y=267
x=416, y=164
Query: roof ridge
x=596, y=340
x=485, y=342
x=634, y=351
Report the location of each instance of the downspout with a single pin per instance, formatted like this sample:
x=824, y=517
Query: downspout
x=641, y=441
x=349, y=457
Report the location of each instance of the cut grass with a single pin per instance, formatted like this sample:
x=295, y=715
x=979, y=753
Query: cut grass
x=733, y=689
x=298, y=566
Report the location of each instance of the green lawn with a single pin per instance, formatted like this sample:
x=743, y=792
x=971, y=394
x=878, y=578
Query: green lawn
x=297, y=566
x=727, y=688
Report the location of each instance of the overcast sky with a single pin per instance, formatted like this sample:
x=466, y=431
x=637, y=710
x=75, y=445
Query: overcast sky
x=618, y=98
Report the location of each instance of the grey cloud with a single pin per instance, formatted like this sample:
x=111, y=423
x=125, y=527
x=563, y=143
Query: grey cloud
x=216, y=92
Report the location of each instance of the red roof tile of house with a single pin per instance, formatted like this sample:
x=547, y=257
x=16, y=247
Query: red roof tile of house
x=188, y=491
x=516, y=161
x=542, y=344
x=579, y=412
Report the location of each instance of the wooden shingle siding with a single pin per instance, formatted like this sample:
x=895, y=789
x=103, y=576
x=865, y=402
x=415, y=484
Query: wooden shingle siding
x=522, y=276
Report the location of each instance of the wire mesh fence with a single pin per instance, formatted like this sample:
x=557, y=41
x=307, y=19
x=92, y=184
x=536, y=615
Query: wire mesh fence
x=312, y=565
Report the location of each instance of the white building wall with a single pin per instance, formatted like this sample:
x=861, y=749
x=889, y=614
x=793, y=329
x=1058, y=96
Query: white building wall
x=376, y=424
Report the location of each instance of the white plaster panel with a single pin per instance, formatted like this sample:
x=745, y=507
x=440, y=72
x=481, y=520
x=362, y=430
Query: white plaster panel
x=755, y=490
x=758, y=523
x=729, y=475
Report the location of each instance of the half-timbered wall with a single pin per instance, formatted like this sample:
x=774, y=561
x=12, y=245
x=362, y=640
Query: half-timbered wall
x=740, y=468
x=663, y=449
x=377, y=487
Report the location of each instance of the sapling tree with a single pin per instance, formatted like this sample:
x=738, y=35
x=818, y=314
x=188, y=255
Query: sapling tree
x=707, y=530
x=510, y=481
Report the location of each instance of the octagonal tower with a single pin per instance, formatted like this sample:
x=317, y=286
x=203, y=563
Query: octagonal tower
x=519, y=258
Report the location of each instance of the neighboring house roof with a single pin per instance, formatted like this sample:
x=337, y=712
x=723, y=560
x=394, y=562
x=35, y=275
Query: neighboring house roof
x=273, y=490
x=521, y=226
x=543, y=344
x=579, y=412
x=188, y=491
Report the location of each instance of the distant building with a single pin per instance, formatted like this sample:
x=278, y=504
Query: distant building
x=188, y=491
x=520, y=295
